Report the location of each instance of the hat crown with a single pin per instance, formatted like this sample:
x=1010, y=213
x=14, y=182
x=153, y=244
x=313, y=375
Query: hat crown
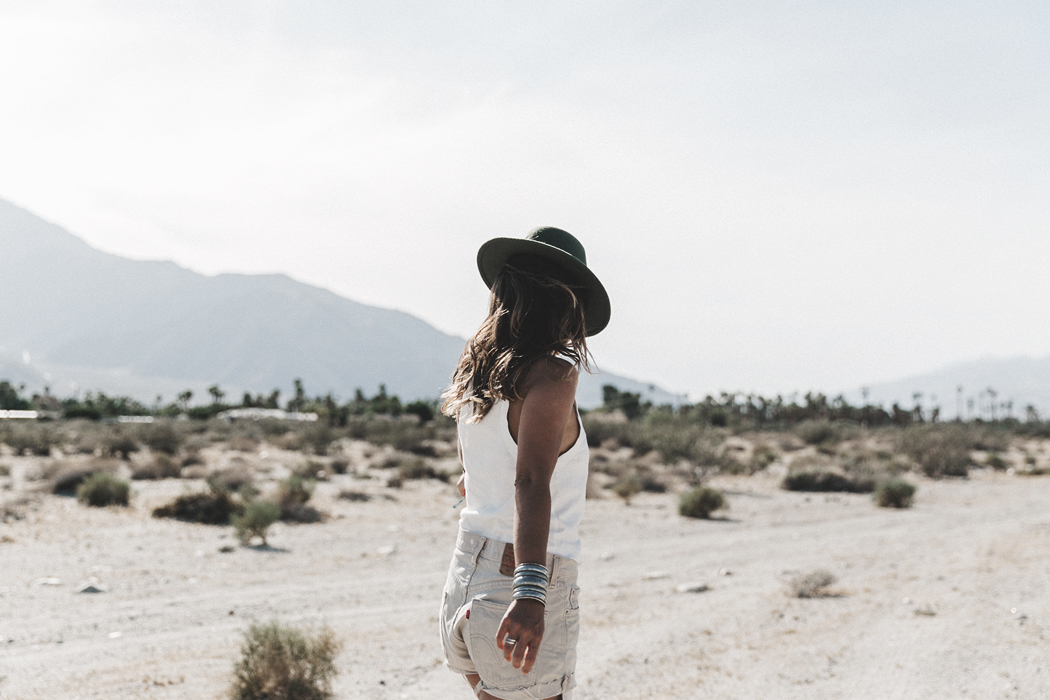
x=562, y=240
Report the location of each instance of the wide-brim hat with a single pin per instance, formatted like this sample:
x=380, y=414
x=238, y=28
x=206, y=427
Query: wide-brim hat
x=561, y=248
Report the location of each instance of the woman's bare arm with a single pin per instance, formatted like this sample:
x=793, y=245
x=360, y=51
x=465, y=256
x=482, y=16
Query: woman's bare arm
x=545, y=411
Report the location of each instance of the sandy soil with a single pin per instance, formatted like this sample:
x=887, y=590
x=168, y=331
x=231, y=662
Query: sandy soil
x=950, y=599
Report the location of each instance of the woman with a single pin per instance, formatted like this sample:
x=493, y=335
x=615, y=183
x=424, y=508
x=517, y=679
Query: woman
x=510, y=614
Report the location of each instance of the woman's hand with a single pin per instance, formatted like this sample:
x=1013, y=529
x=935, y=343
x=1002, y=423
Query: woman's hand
x=523, y=622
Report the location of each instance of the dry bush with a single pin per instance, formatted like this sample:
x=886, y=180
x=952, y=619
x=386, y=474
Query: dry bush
x=894, y=493
x=284, y=663
x=812, y=585
x=208, y=508
x=627, y=487
x=161, y=467
x=418, y=468
x=312, y=470
x=700, y=502
x=939, y=450
x=340, y=466
x=66, y=479
x=356, y=496
x=120, y=444
x=995, y=461
x=827, y=481
x=102, y=489
x=243, y=443
x=31, y=439
x=162, y=437
x=818, y=432
x=233, y=479
x=292, y=496
x=5, y=470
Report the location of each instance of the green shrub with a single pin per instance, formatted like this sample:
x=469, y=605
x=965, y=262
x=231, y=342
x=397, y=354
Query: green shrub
x=255, y=521
x=162, y=467
x=31, y=440
x=103, y=489
x=284, y=663
x=812, y=585
x=700, y=502
x=316, y=439
x=312, y=470
x=827, y=481
x=894, y=493
x=208, y=508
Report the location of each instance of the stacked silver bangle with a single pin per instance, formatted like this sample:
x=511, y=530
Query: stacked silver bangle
x=530, y=581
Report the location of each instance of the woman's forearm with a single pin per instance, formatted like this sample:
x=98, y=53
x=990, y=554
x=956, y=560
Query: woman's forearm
x=532, y=520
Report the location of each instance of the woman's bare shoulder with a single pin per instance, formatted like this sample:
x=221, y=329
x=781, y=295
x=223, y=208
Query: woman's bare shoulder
x=552, y=371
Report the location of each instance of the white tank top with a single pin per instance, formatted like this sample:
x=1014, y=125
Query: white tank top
x=490, y=457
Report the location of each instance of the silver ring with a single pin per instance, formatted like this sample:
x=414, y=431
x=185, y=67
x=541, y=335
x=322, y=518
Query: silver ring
x=508, y=640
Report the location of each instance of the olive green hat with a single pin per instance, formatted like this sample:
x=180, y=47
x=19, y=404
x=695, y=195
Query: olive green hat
x=561, y=248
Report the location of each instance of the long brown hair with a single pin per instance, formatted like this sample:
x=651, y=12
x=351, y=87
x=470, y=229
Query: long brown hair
x=535, y=313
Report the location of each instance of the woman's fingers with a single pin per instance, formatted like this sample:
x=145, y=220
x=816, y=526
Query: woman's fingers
x=502, y=633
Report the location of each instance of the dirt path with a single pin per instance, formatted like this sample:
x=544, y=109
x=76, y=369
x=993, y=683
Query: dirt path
x=950, y=599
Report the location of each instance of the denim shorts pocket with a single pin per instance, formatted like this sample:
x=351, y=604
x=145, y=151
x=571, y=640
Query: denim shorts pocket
x=497, y=672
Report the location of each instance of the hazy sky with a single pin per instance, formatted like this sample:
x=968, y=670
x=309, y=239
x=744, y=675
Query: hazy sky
x=778, y=195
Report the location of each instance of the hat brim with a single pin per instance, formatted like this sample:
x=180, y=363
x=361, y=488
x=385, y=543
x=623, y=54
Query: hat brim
x=596, y=308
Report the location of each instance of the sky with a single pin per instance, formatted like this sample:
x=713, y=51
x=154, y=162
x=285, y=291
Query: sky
x=778, y=196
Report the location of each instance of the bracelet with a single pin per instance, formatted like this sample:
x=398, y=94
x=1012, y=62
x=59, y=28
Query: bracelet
x=530, y=582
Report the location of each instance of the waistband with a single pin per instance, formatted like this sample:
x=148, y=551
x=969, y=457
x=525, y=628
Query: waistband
x=487, y=548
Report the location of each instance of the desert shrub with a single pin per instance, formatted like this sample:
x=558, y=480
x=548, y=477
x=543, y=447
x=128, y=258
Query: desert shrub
x=208, y=508
x=5, y=470
x=316, y=439
x=700, y=502
x=939, y=451
x=103, y=489
x=894, y=493
x=233, y=479
x=995, y=461
x=162, y=467
x=418, y=468
x=67, y=479
x=652, y=484
x=627, y=487
x=32, y=440
x=312, y=470
x=812, y=585
x=827, y=481
x=600, y=428
x=255, y=521
x=292, y=496
x=816, y=432
x=358, y=496
x=283, y=663
x=120, y=444
x=340, y=466
x=395, y=482
x=988, y=438
x=162, y=437
x=243, y=443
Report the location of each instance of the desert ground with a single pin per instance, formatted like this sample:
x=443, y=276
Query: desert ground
x=948, y=599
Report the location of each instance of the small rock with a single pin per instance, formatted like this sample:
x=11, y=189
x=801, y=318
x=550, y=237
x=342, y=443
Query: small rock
x=607, y=556
x=691, y=588
x=926, y=612
x=387, y=550
x=725, y=572
x=48, y=582
x=91, y=588
x=114, y=635
x=656, y=575
x=227, y=548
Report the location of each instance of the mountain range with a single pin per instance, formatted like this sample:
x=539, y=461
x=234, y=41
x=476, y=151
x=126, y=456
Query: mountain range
x=78, y=319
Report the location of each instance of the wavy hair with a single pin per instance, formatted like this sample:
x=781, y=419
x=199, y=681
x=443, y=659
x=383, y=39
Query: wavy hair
x=535, y=313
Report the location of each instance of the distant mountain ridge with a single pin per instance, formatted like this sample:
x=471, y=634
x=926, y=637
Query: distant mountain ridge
x=70, y=314
x=1019, y=381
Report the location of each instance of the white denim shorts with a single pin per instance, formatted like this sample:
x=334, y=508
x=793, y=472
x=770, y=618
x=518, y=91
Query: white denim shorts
x=476, y=597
